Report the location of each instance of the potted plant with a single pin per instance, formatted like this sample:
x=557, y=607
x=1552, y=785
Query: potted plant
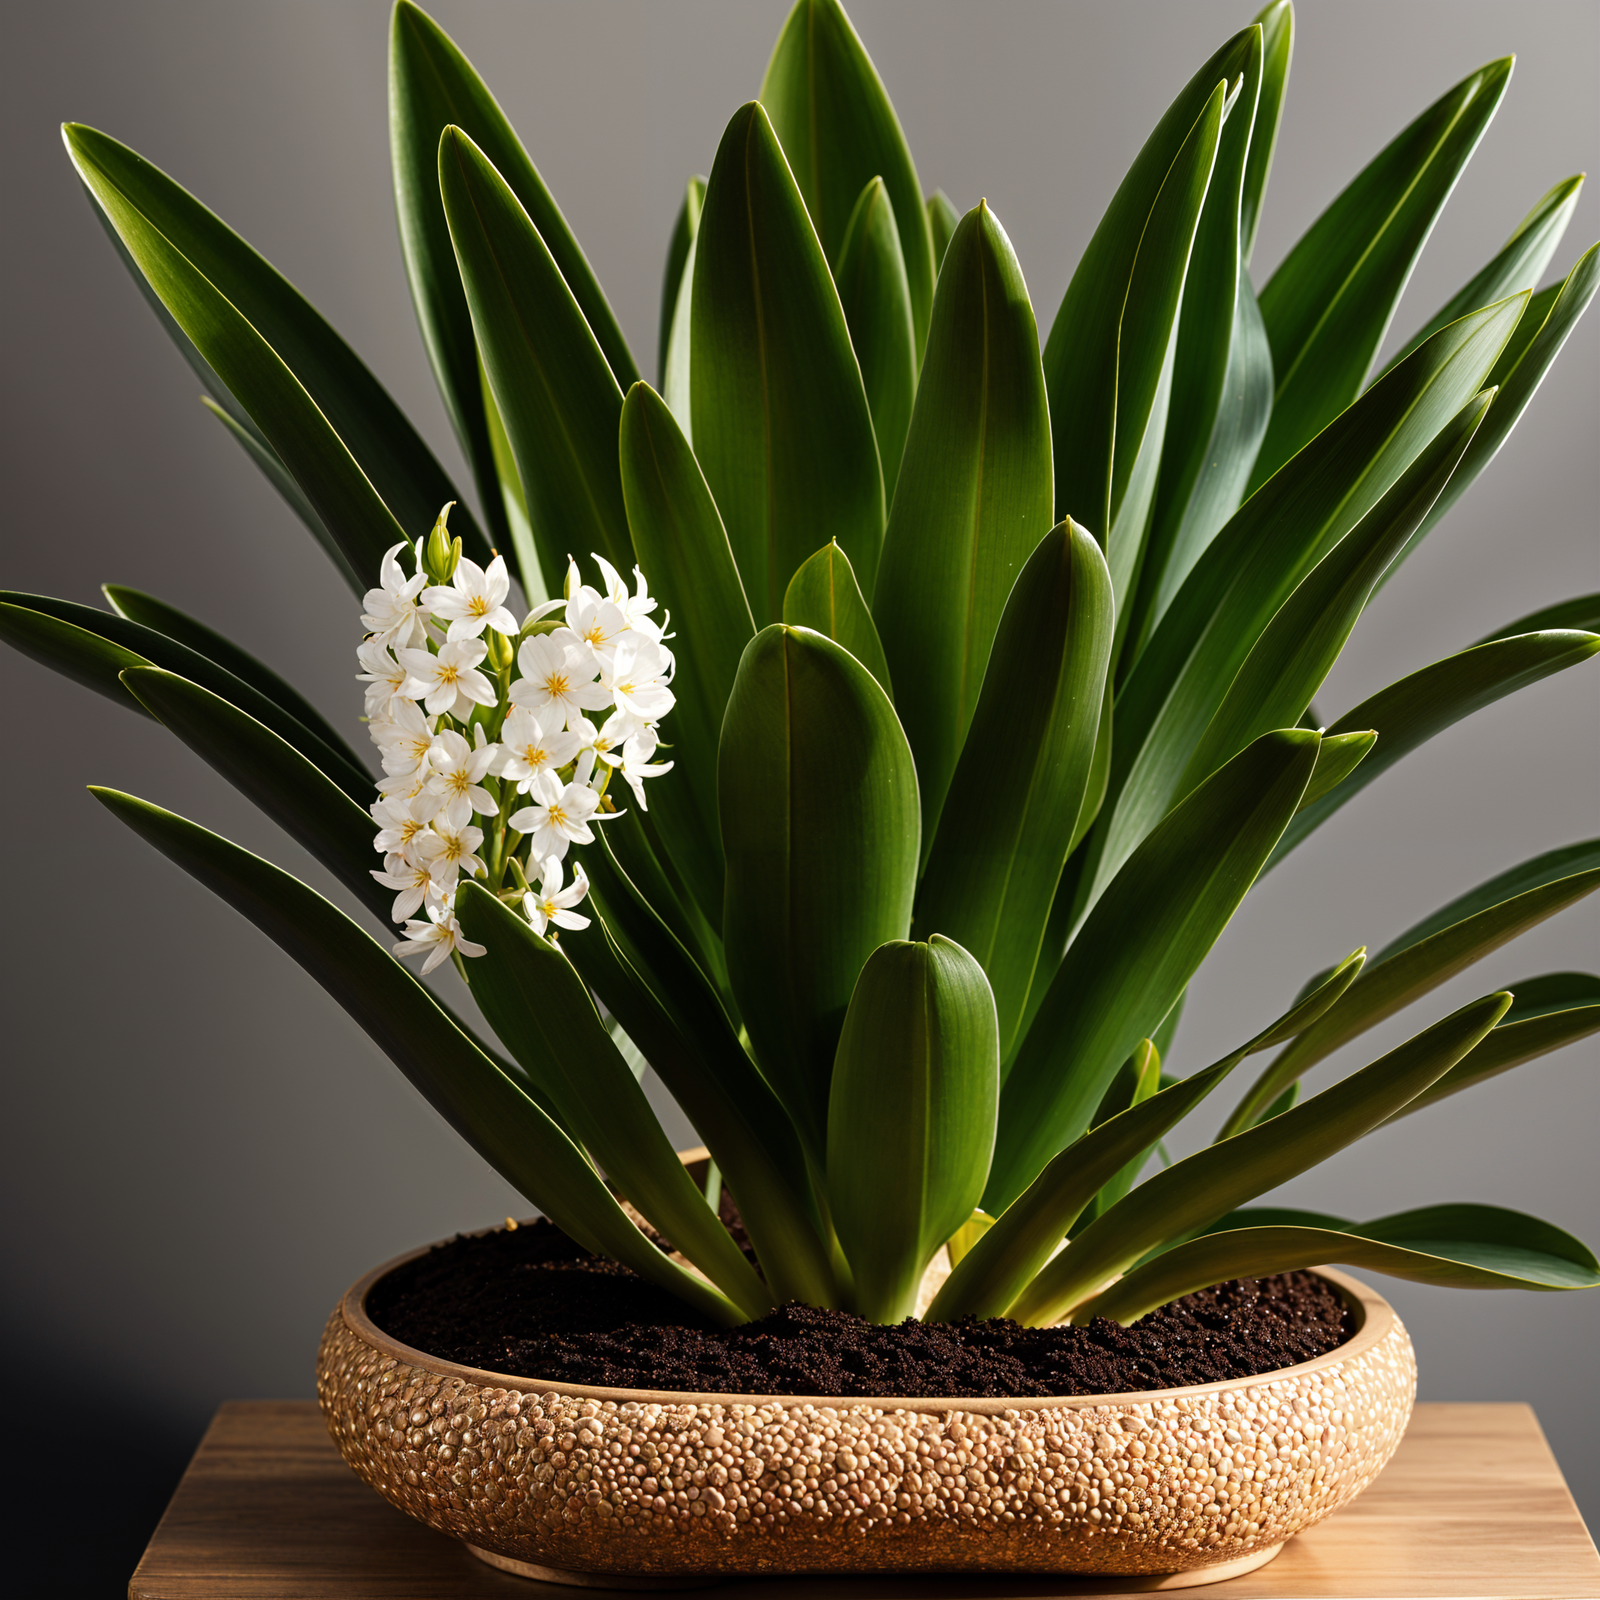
x=984, y=700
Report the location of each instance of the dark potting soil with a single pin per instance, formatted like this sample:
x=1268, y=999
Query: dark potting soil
x=529, y=1302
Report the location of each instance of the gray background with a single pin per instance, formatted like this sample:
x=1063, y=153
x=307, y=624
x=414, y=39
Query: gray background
x=199, y=1149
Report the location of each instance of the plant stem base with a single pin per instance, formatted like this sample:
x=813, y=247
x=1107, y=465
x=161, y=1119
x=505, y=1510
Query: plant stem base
x=1154, y=1583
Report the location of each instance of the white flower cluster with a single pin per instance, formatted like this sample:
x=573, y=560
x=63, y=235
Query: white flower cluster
x=498, y=741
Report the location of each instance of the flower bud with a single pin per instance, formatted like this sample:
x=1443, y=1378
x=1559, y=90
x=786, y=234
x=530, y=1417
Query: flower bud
x=574, y=580
x=441, y=553
x=501, y=651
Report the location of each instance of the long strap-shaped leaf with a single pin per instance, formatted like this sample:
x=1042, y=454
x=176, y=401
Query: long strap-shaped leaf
x=1287, y=664
x=362, y=465
x=973, y=500
x=1276, y=22
x=911, y=1116
x=871, y=275
x=1222, y=370
x=839, y=130
x=1409, y=713
x=149, y=612
x=1024, y=770
x=1466, y=930
x=781, y=422
x=1456, y=1246
x=817, y=793
x=681, y=543
x=1328, y=305
x=556, y=395
x=1581, y=612
x=433, y=86
x=493, y=1113
x=1193, y=1191
x=1257, y=561
x=675, y=1021
x=678, y=264
x=997, y=1268
x=93, y=647
x=539, y=1006
x=825, y=597
x=1139, y=948
x=1533, y=348
x=1110, y=343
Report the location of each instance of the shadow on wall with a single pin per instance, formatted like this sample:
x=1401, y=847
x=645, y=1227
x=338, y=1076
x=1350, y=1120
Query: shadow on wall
x=101, y=1450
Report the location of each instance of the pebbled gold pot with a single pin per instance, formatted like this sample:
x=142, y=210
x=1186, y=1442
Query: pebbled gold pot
x=630, y=1488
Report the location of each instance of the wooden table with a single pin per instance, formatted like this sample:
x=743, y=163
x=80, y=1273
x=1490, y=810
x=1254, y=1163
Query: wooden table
x=1473, y=1506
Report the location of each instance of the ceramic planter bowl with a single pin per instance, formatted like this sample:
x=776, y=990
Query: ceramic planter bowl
x=629, y=1488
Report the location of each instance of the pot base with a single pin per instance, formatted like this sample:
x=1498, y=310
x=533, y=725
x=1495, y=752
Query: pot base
x=1154, y=1583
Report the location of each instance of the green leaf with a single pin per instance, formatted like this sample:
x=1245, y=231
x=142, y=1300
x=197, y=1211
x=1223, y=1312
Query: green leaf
x=1582, y=613
x=1258, y=560
x=1221, y=378
x=997, y=1269
x=250, y=439
x=538, y=1005
x=823, y=595
x=678, y=263
x=1454, y=1246
x=973, y=498
x=1434, y=950
x=482, y=1103
x=782, y=427
x=433, y=86
x=1519, y=380
x=692, y=1049
x=1547, y=1014
x=1295, y=651
x=911, y=1116
x=149, y=612
x=1108, y=360
x=871, y=275
x=1277, y=46
x=680, y=542
x=1518, y=266
x=1337, y=757
x=839, y=131
x=942, y=220
x=362, y=466
x=1409, y=713
x=1024, y=769
x=1192, y=1192
x=93, y=647
x=1328, y=306
x=556, y=394
x=818, y=801
x=1139, y=948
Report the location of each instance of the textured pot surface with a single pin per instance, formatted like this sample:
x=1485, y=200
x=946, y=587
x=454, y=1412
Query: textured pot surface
x=589, y=1480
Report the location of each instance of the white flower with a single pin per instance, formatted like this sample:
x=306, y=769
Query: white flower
x=636, y=606
x=637, y=679
x=453, y=783
x=597, y=623
x=526, y=749
x=412, y=879
x=440, y=935
x=473, y=600
x=403, y=737
x=392, y=615
x=558, y=818
x=400, y=828
x=383, y=677
x=557, y=683
x=551, y=903
x=637, y=766
x=448, y=681
x=450, y=854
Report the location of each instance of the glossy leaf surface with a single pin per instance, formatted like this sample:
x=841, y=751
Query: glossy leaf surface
x=911, y=1116
x=818, y=800
x=838, y=129
x=781, y=423
x=1276, y=22
x=973, y=500
x=678, y=264
x=824, y=596
x=942, y=220
x=1328, y=305
x=1024, y=769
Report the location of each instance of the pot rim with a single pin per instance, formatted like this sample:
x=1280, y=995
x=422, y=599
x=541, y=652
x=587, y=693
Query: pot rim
x=1375, y=1320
